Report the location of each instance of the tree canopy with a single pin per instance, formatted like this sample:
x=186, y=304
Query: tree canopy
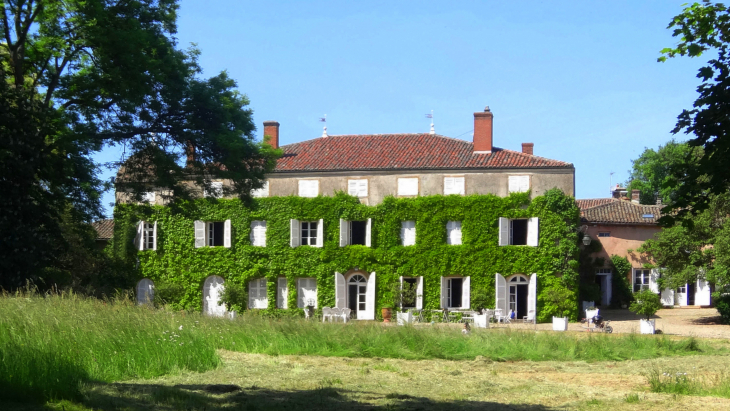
x=703, y=28
x=78, y=76
x=652, y=173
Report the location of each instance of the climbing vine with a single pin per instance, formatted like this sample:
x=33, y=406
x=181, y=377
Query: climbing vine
x=177, y=261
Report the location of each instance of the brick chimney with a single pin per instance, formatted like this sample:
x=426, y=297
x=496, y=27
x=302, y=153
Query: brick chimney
x=527, y=148
x=635, y=196
x=271, y=129
x=483, y=131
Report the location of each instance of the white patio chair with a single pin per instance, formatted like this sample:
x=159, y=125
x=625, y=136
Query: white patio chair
x=530, y=317
x=336, y=314
x=326, y=314
x=346, y=314
x=500, y=316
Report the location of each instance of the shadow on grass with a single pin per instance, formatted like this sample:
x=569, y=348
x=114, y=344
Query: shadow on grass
x=218, y=397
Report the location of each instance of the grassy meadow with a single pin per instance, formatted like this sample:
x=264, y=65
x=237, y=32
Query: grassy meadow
x=51, y=346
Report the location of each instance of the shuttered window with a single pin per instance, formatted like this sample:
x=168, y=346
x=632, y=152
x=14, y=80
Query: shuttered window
x=408, y=232
x=261, y=192
x=258, y=233
x=306, y=292
x=641, y=279
x=216, y=190
x=149, y=236
x=453, y=233
x=519, y=184
x=257, y=297
x=308, y=188
x=357, y=188
x=408, y=186
x=309, y=233
x=149, y=197
x=454, y=185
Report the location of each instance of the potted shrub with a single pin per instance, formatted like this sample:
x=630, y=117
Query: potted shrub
x=309, y=308
x=646, y=303
x=387, y=312
x=560, y=301
x=480, y=301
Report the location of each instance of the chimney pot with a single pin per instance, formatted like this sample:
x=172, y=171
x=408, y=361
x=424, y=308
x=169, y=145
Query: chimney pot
x=635, y=196
x=527, y=148
x=483, y=131
x=271, y=129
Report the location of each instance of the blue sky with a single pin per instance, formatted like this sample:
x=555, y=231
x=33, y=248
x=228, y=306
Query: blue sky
x=579, y=79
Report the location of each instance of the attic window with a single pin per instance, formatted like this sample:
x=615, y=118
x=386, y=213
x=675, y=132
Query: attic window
x=648, y=216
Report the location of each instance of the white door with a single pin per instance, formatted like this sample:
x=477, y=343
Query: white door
x=212, y=290
x=357, y=287
x=145, y=291
x=681, y=296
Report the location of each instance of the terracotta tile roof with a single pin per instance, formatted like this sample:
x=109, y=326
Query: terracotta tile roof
x=104, y=229
x=401, y=151
x=615, y=211
x=592, y=202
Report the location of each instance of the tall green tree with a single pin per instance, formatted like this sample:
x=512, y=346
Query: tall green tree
x=79, y=75
x=704, y=29
x=652, y=173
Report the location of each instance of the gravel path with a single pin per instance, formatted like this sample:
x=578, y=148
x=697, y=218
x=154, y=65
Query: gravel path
x=697, y=322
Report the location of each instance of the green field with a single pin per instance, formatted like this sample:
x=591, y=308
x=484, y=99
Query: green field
x=56, y=347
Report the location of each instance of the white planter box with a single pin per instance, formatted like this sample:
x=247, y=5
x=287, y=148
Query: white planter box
x=560, y=323
x=647, y=326
x=481, y=320
x=231, y=315
x=404, y=318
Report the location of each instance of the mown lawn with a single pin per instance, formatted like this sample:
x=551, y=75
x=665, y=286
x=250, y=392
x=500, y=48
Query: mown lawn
x=52, y=347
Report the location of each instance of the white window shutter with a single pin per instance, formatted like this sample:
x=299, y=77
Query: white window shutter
x=453, y=232
x=449, y=185
x=227, y=234
x=408, y=232
x=444, y=292
x=145, y=291
x=459, y=186
x=281, y=292
x=199, y=234
x=667, y=297
x=362, y=188
x=368, y=233
x=500, y=286
x=344, y=232
x=340, y=288
x=294, y=233
x=320, y=233
x=139, y=237
x=400, y=302
x=503, y=231
x=261, y=192
x=419, y=293
x=370, y=298
x=533, y=230
x=408, y=186
x=466, y=293
x=352, y=188
x=519, y=184
x=154, y=237
x=532, y=295
x=653, y=277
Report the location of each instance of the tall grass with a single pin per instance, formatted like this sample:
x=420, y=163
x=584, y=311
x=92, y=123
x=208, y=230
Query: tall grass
x=678, y=382
x=48, y=345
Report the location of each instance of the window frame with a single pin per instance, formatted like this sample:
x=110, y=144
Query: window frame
x=358, y=189
x=603, y=234
x=645, y=275
x=310, y=230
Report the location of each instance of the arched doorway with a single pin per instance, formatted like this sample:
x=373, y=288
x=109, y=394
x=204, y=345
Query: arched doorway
x=357, y=287
x=356, y=290
x=518, y=293
x=212, y=290
x=145, y=291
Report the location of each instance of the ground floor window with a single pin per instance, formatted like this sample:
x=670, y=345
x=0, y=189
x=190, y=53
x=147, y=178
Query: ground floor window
x=641, y=279
x=306, y=292
x=409, y=292
x=257, y=294
x=357, y=293
x=518, y=295
x=454, y=292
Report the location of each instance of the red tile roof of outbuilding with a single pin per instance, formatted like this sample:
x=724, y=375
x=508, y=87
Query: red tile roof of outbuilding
x=615, y=211
x=401, y=151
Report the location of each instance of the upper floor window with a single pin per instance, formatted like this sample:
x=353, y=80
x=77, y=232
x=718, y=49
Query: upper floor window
x=216, y=190
x=149, y=197
x=357, y=188
x=519, y=231
x=308, y=188
x=213, y=234
x=453, y=232
x=261, y=192
x=258, y=233
x=306, y=233
x=604, y=234
x=408, y=186
x=355, y=232
x=454, y=185
x=519, y=184
x=642, y=278
x=146, y=238
x=408, y=232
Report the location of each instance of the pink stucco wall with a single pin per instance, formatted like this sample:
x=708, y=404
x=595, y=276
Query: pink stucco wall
x=622, y=239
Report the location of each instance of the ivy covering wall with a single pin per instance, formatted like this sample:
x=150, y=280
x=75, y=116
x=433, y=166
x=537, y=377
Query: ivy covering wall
x=177, y=262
